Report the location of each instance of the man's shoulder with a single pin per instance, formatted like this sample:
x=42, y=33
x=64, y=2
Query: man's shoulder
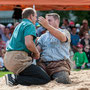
x=67, y=34
x=64, y=30
x=26, y=23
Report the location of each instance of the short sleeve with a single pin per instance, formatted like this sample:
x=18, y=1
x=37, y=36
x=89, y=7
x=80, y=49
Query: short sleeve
x=67, y=34
x=30, y=30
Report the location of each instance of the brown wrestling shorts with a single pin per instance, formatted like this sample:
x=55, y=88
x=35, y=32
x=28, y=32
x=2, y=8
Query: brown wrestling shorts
x=52, y=67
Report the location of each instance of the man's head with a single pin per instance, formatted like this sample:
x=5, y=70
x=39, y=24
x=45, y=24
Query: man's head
x=65, y=21
x=53, y=19
x=74, y=30
x=30, y=14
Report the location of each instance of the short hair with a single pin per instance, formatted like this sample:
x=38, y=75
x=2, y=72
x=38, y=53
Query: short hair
x=55, y=15
x=66, y=20
x=85, y=21
x=27, y=12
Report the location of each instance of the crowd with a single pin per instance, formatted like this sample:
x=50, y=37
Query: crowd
x=5, y=35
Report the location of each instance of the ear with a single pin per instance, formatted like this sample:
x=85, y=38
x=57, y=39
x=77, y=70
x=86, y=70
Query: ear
x=57, y=20
x=30, y=16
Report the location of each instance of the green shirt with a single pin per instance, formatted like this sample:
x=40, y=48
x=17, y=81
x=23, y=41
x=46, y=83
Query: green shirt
x=17, y=41
x=80, y=58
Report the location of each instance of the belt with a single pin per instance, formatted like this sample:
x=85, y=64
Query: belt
x=48, y=62
x=51, y=61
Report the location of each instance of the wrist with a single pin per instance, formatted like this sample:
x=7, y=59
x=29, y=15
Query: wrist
x=36, y=52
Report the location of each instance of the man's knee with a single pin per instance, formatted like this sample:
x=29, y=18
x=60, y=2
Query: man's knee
x=62, y=77
x=46, y=80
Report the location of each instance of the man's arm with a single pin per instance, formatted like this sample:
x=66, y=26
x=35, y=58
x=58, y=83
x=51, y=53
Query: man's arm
x=39, y=48
x=55, y=32
x=31, y=46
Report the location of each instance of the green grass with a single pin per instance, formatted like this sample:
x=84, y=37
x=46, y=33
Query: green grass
x=80, y=69
x=2, y=73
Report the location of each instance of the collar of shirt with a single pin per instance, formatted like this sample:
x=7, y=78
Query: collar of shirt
x=27, y=20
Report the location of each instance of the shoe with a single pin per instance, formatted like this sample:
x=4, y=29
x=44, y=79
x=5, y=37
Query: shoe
x=10, y=79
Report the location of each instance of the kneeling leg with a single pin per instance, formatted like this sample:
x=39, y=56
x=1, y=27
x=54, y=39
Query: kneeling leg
x=62, y=77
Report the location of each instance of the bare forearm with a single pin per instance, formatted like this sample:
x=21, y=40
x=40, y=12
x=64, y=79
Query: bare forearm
x=39, y=49
x=56, y=33
x=30, y=44
x=32, y=47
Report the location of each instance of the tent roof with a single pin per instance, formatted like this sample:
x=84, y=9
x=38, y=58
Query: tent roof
x=46, y=4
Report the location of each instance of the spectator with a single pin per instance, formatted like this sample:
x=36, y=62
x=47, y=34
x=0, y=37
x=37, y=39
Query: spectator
x=77, y=28
x=74, y=39
x=9, y=25
x=85, y=40
x=2, y=44
x=87, y=51
x=1, y=59
x=6, y=35
x=2, y=27
x=80, y=58
x=84, y=28
x=71, y=23
x=65, y=24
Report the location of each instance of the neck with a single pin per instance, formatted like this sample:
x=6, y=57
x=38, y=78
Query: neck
x=80, y=52
x=30, y=20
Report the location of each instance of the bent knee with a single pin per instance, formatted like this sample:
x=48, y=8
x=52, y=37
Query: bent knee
x=48, y=79
x=62, y=77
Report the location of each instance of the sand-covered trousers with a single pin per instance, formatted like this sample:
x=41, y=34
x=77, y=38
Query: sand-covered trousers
x=52, y=67
x=17, y=61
